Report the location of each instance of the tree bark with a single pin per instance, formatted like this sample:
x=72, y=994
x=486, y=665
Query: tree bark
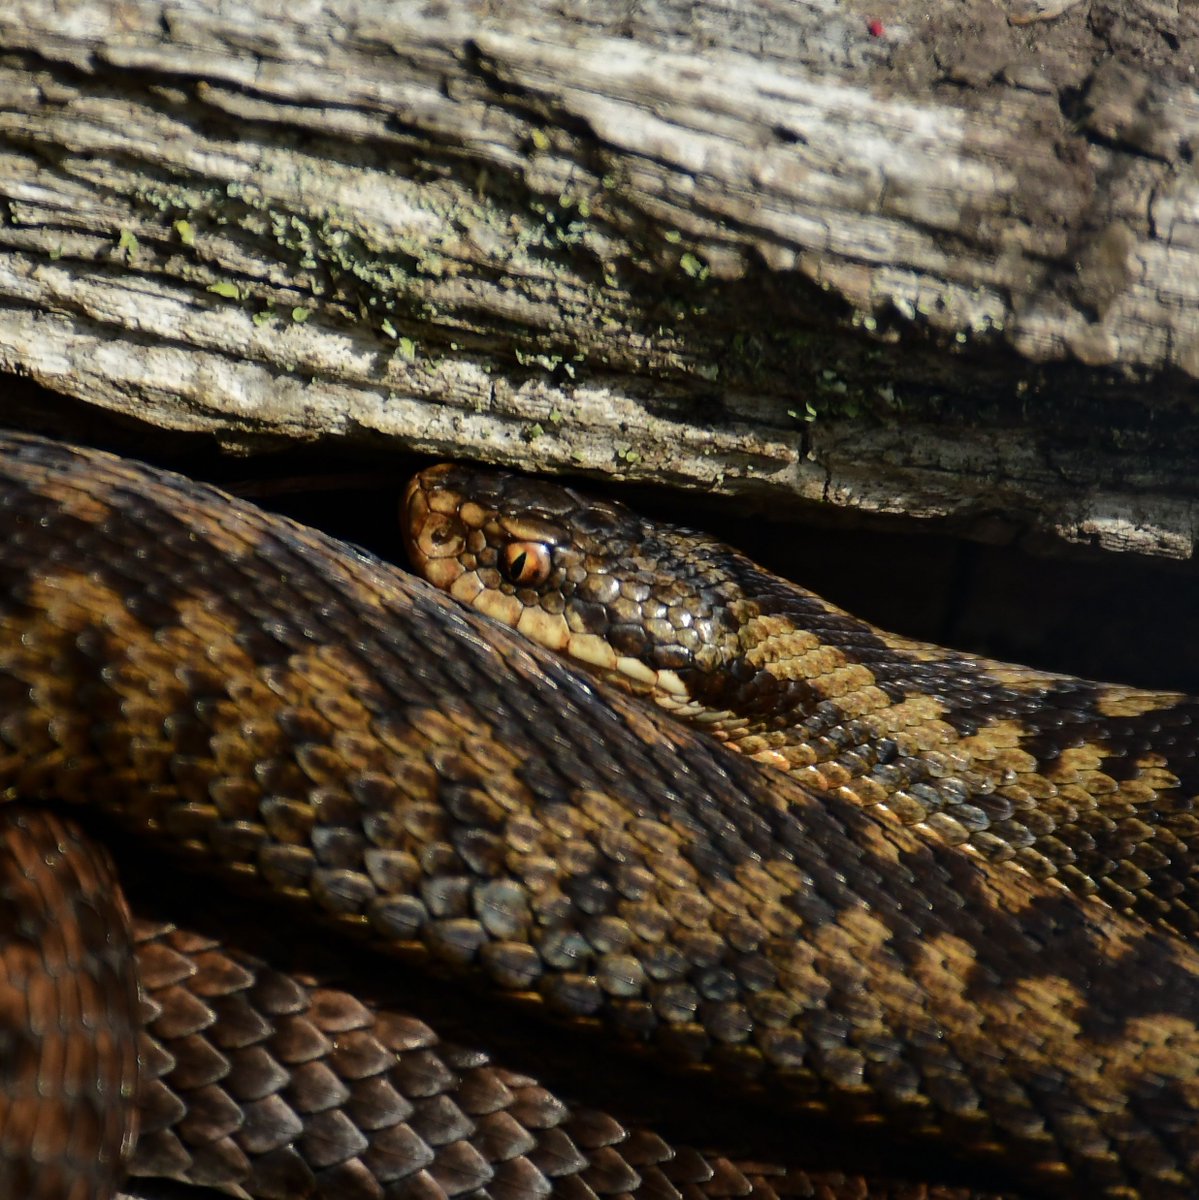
x=932, y=261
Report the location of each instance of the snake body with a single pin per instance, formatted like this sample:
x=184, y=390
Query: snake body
x=302, y=721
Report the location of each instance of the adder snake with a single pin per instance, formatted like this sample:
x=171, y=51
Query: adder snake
x=513, y=845
x=1090, y=784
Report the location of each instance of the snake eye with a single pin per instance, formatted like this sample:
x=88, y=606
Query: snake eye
x=526, y=564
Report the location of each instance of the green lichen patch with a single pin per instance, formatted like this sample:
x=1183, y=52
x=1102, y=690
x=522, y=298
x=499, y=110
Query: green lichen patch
x=226, y=289
x=127, y=245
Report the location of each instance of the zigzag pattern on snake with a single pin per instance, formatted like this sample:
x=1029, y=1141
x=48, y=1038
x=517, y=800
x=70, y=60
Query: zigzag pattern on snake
x=1091, y=784
x=298, y=718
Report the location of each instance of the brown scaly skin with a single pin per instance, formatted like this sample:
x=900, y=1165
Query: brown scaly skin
x=287, y=1084
x=279, y=1082
x=68, y=1013
x=347, y=1092
x=269, y=705
x=1090, y=784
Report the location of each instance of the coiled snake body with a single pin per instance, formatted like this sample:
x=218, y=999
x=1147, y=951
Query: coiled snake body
x=318, y=729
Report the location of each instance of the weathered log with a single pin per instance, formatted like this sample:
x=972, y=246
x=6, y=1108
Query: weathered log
x=932, y=262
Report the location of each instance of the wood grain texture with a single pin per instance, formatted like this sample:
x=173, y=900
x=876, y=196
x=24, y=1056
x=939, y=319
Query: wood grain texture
x=647, y=240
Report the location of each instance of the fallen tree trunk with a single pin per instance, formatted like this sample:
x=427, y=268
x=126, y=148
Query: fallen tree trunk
x=936, y=262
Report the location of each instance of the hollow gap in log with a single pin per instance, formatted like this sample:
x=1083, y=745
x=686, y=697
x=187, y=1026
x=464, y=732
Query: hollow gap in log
x=1082, y=612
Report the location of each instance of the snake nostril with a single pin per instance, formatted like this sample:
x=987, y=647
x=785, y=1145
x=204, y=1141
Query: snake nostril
x=440, y=539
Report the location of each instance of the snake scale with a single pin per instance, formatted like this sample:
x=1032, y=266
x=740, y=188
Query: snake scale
x=729, y=970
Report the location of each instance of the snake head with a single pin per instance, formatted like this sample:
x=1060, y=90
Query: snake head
x=644, y=605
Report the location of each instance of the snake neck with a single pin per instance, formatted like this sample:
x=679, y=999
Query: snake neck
x=1089, y=784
